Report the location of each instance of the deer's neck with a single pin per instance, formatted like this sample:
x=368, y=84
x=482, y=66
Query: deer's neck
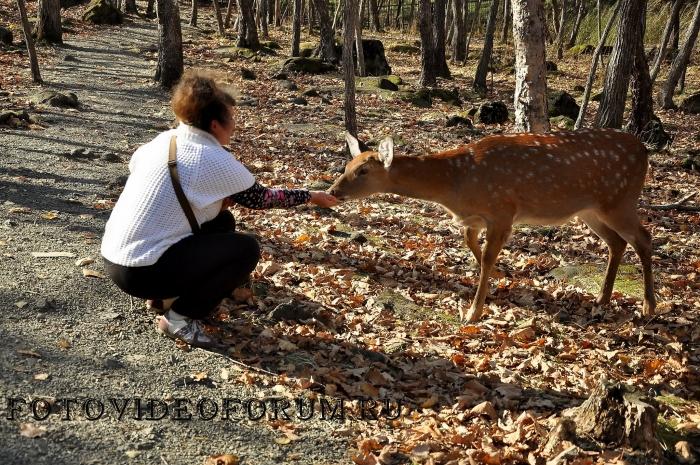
x=425, y=178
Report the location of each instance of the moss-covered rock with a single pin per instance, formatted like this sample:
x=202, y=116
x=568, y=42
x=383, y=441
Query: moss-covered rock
x=102, y=12
x=404, y=48
x=306, y=65
x=581, y=49
x=446, y=95
x=420, y=98
x=271, y=44
x=55, y=99
x=372, y=82
x=561, y=122
x=234, y=52
x=561, y=103
x=492, y=113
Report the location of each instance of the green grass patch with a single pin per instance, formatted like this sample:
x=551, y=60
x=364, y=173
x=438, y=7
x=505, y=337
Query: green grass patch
x=590, y=277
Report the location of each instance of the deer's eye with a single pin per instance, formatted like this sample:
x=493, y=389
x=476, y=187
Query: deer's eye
x=362, y=171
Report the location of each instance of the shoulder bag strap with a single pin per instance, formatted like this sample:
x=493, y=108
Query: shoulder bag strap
x=175, y=178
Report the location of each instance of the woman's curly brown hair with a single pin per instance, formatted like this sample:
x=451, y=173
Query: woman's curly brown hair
x=198, y=100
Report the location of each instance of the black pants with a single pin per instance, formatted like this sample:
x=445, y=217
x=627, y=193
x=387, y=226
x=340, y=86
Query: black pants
x=201, y=269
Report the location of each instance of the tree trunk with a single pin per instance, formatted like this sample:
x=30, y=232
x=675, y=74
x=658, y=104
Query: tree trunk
x=48, y=24
x=219, y=20
x=229, y=12
x=599, y=20
x=530, y=70
x=358, y=43
x=680, y=62
x=663, y=46
x=263, y=19
x=278, y=13
x=170, y=64
x=193, y=13
x=617, y=77
x=577, y=24
x=485, y=61
x=150, y=7
x=560, y=32
x=374, y=16
x=449, y=24
x=326, y=49
x=349, y=28
x=556, y=15
x=642, y=103
x=427, y=52
x=616, y=414
x=336, y=15
x=594, y=65
x=310, y=15
x=440, y=63
x=676, y=33
x=472, y=28
x=296, y=28
x=129, y=6
x=248, y=30
x=459, y=37
x=399, y=17
x=33, y=62
x=506, y=21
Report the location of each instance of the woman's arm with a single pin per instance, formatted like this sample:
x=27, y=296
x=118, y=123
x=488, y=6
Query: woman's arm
x=260, y=197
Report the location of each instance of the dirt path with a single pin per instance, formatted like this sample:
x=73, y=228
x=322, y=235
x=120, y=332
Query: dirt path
x=70, y=336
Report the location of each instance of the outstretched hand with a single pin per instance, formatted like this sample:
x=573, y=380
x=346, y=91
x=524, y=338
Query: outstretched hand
x=323, y=199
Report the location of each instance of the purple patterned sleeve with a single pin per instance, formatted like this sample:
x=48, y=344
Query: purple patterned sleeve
x=260, y=197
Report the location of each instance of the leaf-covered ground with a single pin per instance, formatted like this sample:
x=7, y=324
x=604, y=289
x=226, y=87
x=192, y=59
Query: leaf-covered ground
x=381, y=281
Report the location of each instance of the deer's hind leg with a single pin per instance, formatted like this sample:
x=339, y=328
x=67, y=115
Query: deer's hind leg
x=471, y=238
x=616, y=248
x=625, y=222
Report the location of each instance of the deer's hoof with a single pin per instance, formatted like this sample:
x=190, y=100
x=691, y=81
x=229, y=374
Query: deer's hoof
x=472, y=316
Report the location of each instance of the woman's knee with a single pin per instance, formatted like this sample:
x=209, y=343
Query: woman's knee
x=252, y=250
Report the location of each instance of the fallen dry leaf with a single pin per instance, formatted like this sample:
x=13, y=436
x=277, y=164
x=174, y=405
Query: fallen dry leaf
x=225, y=459
x=29, y=430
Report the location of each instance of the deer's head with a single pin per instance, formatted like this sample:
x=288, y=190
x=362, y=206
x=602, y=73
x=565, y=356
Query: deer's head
x=367, y=173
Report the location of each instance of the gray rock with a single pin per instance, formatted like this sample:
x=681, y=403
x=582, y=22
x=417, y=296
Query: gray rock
x=248, y=74
x=290, y=310
x=299, y=101
x=310, y=93
x=44, y=305
x=102, y=12
x=247, y=102
x=288, y=85
x=112, y=364
x=55, y=99
x=561, y=103
x=110, y=157
x=280, y=76
x=492, y=113
x=5, y=36
x=691, y=104
x=358, y=237
x=457, y=120
x=306, y=65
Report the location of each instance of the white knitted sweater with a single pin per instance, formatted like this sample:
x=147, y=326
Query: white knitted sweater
x=147, y=219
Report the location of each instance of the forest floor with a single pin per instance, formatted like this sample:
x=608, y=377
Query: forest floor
x=381, y=280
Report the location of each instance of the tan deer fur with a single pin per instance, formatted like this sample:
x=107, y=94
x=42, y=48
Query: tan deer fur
x=537, y=179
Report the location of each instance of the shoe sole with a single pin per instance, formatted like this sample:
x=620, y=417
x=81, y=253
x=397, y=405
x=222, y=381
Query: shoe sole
x=201, y=345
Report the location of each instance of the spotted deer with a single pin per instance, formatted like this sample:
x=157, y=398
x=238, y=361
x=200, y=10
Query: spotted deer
x=537, y=179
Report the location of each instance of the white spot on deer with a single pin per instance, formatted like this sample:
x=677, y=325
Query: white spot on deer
x=567, y=161
x=550, y=156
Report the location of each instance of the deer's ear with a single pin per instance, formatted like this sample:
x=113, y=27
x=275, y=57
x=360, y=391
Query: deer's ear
x=386, y=151
x=353, y=144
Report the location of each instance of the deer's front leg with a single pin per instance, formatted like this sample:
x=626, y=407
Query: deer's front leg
x=496, y=237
